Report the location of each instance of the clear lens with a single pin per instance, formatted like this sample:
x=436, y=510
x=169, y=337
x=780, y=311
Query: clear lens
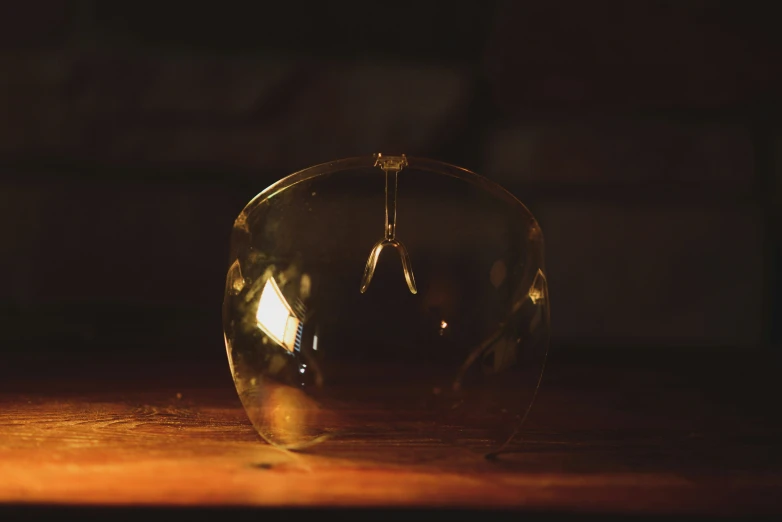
x=386, y=297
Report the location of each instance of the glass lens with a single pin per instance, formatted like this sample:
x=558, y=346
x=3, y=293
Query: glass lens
x=386, y=297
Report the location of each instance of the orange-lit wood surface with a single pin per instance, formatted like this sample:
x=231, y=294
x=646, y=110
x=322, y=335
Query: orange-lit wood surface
x=607, y=440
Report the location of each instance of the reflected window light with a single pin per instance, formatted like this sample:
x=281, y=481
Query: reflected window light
x=314, y=342
x=276, y=318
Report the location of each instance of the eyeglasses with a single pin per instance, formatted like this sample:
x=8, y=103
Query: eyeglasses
x=330, y=334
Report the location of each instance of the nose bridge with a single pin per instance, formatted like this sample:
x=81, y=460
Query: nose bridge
x=391, y=166
x=374, y=255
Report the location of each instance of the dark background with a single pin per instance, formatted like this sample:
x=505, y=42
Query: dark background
x=644, y=136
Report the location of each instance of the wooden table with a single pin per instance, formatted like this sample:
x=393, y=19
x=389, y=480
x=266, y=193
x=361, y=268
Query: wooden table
x=604, y=439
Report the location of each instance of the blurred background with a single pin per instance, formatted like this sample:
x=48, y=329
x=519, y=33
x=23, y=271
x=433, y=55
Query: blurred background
x=644, y=136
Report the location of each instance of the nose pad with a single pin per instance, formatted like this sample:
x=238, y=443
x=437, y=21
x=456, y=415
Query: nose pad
x=407, y=266
x=390, y=165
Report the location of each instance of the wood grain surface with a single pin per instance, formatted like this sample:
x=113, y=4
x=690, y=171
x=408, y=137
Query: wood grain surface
x=610, y=440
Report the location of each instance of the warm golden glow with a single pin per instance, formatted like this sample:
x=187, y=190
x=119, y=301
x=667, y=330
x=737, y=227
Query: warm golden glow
x=535, y=294
x=290, y=416
x=443, y=325
x=275, y=316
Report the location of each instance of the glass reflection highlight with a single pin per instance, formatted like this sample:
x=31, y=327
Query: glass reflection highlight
x=276, y=317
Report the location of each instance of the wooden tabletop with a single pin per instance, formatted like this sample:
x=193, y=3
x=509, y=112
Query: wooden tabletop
x=602, y=439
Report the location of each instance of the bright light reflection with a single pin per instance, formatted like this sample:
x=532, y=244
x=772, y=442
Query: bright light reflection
x=275, y=316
